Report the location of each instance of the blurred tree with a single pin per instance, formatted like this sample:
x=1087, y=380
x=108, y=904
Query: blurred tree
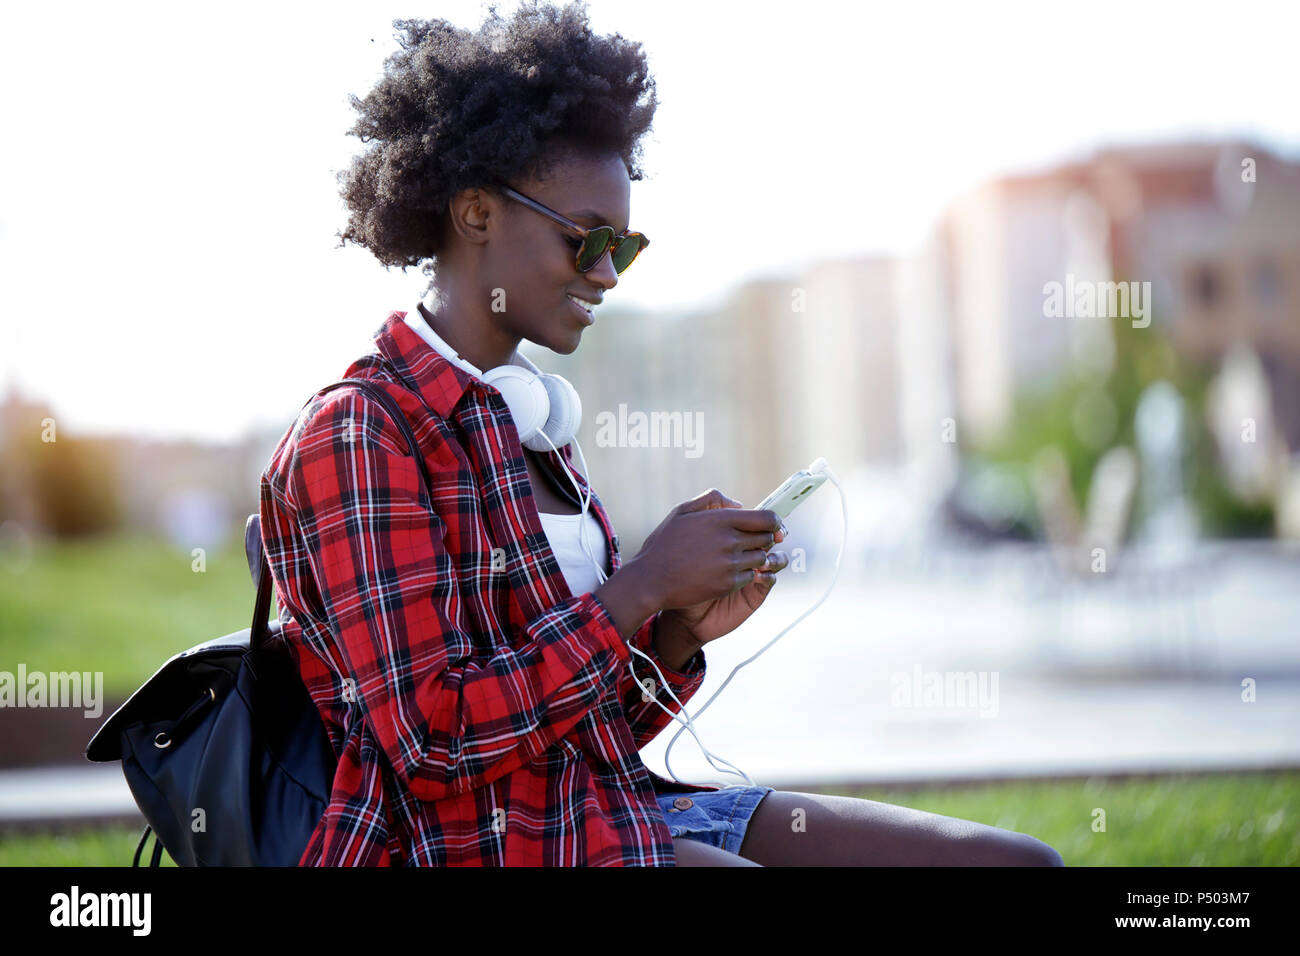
x=1084, y=414
x=75, y=484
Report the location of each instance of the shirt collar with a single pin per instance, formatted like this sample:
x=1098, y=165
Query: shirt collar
x=414, y=350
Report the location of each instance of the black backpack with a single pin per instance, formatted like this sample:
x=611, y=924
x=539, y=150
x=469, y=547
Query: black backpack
x=223, y=748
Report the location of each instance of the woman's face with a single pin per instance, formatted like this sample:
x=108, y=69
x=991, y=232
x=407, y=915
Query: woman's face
x=528, y=258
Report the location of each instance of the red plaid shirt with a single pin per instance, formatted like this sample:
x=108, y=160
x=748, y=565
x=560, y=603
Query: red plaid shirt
x=482, y=714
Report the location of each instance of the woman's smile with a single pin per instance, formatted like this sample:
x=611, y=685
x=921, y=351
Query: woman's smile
x=587, y=317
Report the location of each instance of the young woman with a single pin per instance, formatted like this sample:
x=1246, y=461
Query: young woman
x=476, y=673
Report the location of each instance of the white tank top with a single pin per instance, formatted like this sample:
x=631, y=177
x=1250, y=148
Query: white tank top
x=562, y=533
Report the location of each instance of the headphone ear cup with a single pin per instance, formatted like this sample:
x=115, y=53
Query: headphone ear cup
x=565, y=412
x=526, y=397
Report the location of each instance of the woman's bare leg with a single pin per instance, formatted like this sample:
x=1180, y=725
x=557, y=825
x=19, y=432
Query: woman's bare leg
x=692, y=853
x=810, y=829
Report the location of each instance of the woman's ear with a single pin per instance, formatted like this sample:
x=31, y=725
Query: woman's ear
x=469, y=214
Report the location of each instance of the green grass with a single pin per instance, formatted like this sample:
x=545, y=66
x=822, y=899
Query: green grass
x=121, y=605
x=1240, y=819
x=1236, y=819
x=104, y=846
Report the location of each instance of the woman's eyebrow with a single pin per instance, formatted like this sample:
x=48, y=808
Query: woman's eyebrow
x=593, y=215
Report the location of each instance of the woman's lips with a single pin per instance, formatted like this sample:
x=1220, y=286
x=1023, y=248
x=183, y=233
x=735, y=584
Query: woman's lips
x=587, y=317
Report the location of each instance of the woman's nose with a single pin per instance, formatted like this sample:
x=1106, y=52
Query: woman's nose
x=603, y=274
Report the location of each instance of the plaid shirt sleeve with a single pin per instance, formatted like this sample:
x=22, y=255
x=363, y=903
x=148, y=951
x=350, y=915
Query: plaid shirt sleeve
x=446, y=723
x=645, y=718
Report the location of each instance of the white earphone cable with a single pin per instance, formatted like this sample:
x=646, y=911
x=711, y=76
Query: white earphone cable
x=844, y=510
x=688, y=721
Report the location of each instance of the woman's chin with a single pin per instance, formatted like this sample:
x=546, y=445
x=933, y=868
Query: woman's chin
x=570, y=344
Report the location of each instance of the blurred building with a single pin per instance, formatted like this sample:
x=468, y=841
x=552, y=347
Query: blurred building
x=877, y=364
x=197, y=493
x=1214, y=227
x=784, y=371
x=20, y=424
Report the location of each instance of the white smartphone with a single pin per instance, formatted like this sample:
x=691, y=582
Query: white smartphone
x=795, y=490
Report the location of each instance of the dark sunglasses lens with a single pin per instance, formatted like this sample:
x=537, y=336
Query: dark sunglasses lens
x=625, y=251
x=597, y=242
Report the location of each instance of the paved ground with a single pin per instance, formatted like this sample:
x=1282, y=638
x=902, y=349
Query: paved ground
x=91, y=792
x=1142, y=673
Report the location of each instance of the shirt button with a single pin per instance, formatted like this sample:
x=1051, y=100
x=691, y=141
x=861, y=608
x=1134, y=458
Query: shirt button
x=683, y=803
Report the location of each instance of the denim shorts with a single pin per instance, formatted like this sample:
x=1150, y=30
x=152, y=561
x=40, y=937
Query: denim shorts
x=716, y=817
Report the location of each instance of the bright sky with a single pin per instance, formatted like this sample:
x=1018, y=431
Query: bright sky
x=168, y=206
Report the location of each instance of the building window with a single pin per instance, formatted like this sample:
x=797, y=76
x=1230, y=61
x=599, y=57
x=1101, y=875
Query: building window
x=1206, y=287
x=1266, y=283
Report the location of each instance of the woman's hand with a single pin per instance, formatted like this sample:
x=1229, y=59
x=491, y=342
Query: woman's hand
x=720, y=565
x=711, y=620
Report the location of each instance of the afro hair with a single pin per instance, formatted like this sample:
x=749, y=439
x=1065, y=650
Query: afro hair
x=457, y=109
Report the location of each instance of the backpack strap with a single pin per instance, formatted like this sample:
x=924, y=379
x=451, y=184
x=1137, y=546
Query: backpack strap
x=258, y=634
x=156, y=858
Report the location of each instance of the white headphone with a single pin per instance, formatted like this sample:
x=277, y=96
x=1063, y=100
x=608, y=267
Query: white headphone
x=546, y=408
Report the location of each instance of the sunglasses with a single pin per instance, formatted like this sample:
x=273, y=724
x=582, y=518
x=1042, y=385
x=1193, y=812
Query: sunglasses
x=595, y=242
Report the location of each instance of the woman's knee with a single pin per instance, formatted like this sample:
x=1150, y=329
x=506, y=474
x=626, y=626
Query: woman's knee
x=1009, y=848
x=1042, y=853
